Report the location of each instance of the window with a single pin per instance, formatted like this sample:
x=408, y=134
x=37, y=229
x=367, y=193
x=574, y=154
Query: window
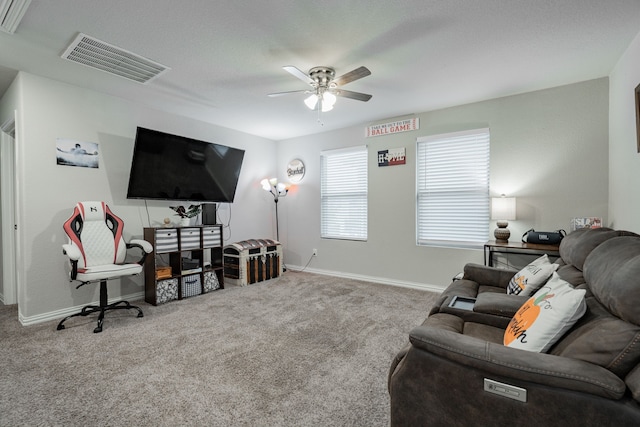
x=343, y=193
x=453, y=189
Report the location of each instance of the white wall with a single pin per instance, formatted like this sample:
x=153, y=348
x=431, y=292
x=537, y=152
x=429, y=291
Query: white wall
x=548, y=149
x=624, y=159
x=48, y=192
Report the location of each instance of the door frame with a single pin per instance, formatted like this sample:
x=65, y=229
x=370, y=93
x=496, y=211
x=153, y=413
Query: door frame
x=8, y=199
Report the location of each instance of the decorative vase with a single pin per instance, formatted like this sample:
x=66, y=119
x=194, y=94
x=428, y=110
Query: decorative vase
x=185, y=222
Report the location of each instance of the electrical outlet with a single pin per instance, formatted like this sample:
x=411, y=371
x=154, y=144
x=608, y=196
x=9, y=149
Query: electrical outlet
x=315, y=252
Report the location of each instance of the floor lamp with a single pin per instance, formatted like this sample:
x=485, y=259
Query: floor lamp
x=277, y=190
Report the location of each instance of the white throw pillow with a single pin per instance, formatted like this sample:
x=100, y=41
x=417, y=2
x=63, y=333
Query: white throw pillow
x=528, y=280
x=546, y=316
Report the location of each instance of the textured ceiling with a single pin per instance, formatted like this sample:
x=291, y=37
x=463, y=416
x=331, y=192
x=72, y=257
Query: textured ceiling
x=225, y=57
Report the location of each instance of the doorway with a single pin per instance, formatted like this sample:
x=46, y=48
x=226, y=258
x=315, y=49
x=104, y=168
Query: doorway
x=8, y=284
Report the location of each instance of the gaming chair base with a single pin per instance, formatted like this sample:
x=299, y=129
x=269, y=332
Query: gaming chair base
x=102, y=308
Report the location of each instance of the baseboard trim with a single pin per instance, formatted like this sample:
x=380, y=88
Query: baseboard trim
x=59, y=314
x=374, y=279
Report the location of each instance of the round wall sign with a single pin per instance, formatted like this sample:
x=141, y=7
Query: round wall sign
x=295, y=170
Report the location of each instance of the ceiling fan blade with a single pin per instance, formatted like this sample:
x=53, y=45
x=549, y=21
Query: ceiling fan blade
x=356, y=74
x=296, y=72
x=288, y=93
x=353, y=95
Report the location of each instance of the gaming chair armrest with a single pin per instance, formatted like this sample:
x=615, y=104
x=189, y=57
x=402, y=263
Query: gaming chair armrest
x=74, y=255
x=72, y=252
x=145, y=246
x=142, y=244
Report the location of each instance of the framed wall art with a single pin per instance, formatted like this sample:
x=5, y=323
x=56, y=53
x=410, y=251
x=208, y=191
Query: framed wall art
x=76, y=153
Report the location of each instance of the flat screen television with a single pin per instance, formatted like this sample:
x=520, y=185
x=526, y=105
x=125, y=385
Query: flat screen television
x=171, y=167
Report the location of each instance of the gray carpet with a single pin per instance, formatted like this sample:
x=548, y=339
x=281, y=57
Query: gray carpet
x=300, y=350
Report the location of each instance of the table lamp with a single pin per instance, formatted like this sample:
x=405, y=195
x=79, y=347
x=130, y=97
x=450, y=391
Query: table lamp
x=503, y=210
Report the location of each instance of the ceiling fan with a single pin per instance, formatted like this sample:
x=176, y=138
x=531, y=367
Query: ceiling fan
x=325, y=86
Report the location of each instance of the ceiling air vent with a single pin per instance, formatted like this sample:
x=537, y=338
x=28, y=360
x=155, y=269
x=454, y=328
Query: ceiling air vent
x=94, y=53
x=11, y=13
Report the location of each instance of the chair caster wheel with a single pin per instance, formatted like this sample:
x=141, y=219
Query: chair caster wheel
x=98, y=329
x=140, y=314
x=60, y=327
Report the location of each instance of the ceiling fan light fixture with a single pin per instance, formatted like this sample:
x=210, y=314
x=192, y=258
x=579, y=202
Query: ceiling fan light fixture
x=329, y=100
x=326, y=107
x=324, y=101
x=325, y=87
x=311, y=101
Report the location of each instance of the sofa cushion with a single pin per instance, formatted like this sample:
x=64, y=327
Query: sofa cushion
x=633, y=382
x=488, y=276
x=546, y=316
x=612, y=271
x=531, y=278
x=453, y=323
x=463, y=288
x=448, y=322
x=577, y=245
x=570, y=273
x=484, y=332
x=602, y=339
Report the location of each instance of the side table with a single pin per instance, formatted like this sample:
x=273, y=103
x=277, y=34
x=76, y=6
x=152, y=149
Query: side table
x=492, y=247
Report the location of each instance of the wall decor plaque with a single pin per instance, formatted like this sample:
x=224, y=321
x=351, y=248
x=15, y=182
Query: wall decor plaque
x=295, y=170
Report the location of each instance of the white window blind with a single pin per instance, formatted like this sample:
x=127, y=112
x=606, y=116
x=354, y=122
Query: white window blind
x=453, y=189
x=343, y=193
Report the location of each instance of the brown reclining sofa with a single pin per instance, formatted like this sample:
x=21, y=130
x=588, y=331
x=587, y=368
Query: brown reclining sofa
x=456, y=371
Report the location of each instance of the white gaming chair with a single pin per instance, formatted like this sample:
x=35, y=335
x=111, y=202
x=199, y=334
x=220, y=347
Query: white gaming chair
x=97, y=252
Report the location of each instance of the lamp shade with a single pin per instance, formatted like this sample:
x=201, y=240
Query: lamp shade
x=311, y=101
x=503, y=208
x=328, y=99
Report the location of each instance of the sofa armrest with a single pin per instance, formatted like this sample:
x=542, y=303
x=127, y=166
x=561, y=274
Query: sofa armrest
x=518, y=365
x=488, y=276
x=499, y=304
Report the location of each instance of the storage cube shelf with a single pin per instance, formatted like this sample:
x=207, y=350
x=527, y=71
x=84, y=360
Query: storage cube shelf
x=200, y=245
